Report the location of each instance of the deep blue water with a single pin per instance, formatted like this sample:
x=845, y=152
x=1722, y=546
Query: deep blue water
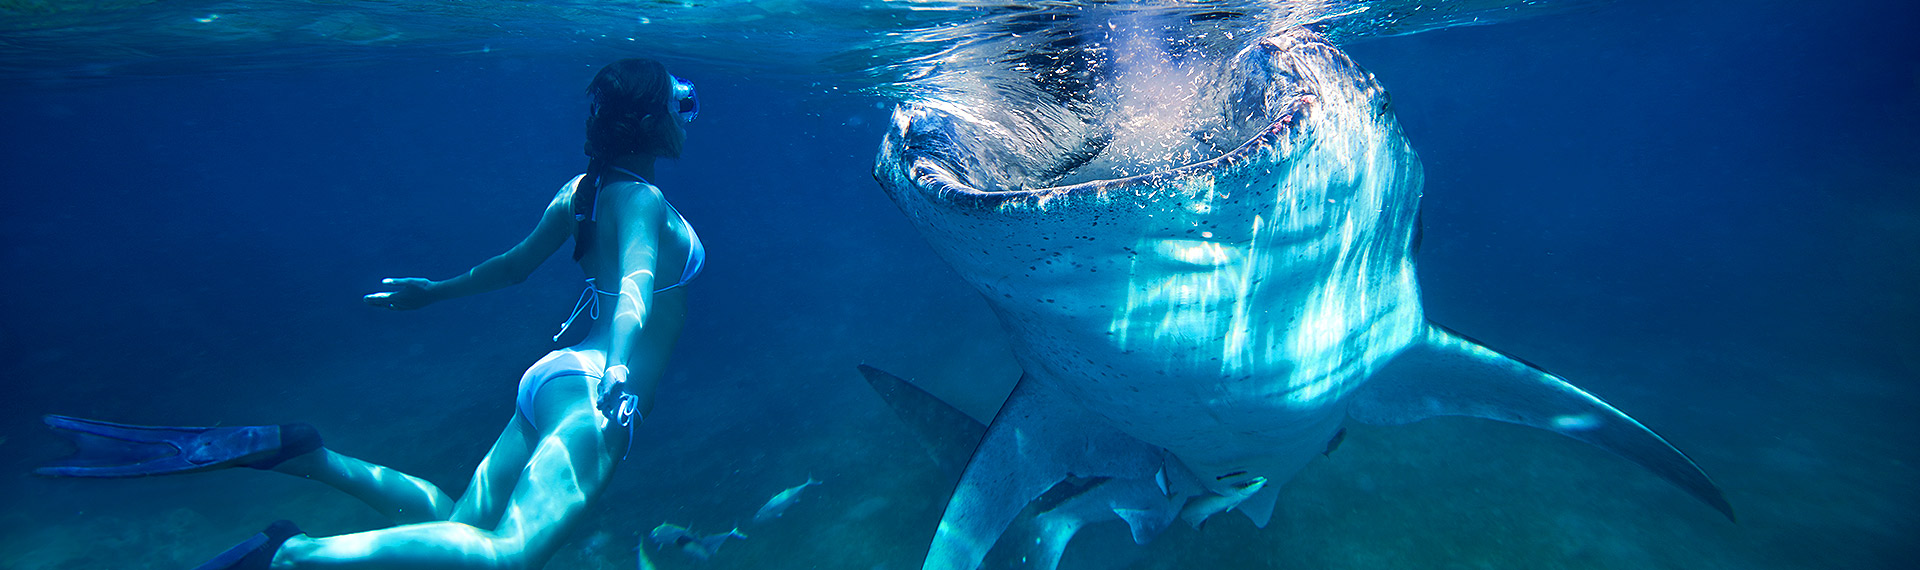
x=1708, y=216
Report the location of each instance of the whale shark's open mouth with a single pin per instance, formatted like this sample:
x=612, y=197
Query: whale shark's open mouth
x=959, y=180
x=1155, y=124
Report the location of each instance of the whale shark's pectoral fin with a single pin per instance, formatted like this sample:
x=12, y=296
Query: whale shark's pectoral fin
x=1039, y=439
x=948, y=434
x=1446, y=374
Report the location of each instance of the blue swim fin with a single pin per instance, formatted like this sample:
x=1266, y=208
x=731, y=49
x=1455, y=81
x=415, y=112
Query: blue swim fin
x=255, y=553
x=120, y=450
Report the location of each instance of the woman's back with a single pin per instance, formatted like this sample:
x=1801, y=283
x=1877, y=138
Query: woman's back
x=639, y=241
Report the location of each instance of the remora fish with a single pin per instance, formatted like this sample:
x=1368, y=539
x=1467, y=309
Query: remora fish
x=1190, y=338
x=701, y=547
x=777, y=505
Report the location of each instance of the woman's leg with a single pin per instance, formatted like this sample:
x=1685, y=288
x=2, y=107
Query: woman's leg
x=493, y=481
x=401, y=497
x=569, y=465
x=407, y=499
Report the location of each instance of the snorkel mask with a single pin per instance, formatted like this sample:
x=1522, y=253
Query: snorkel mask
x=684, y=103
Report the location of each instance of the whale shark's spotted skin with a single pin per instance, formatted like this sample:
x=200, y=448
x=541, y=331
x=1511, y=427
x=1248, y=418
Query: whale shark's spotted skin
x=1192, y=337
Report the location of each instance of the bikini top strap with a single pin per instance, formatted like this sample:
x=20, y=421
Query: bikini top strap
x=642, y=179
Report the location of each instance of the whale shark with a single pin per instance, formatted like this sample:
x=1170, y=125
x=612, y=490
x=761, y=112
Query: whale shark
x=1190, y=336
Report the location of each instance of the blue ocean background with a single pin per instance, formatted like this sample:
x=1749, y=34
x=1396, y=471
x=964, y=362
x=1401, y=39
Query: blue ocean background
x=1706, y=213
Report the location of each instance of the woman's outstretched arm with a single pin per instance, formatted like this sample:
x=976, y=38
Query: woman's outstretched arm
x=502, y=270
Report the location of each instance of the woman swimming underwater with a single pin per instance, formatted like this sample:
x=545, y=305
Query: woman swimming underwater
x=576, y=407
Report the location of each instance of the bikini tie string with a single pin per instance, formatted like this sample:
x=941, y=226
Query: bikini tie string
x=589, y=303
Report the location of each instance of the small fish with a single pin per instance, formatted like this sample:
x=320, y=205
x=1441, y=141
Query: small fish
x=700, y=547
x=1199, y=509
x=779, y=503
x=1334, y=443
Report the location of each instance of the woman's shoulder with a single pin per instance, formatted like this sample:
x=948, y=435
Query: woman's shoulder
x=624, y=196
x=635, y=193
x=563, y=198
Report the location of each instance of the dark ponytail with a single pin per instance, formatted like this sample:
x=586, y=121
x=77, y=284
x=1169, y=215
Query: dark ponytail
x=585, y=194
x=623, y=93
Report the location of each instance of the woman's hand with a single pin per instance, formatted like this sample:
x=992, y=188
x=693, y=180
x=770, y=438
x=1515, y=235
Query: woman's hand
x=615, y=400
x=411, y=293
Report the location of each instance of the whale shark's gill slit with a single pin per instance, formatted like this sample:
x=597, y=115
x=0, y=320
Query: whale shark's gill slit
x=1068, y=488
